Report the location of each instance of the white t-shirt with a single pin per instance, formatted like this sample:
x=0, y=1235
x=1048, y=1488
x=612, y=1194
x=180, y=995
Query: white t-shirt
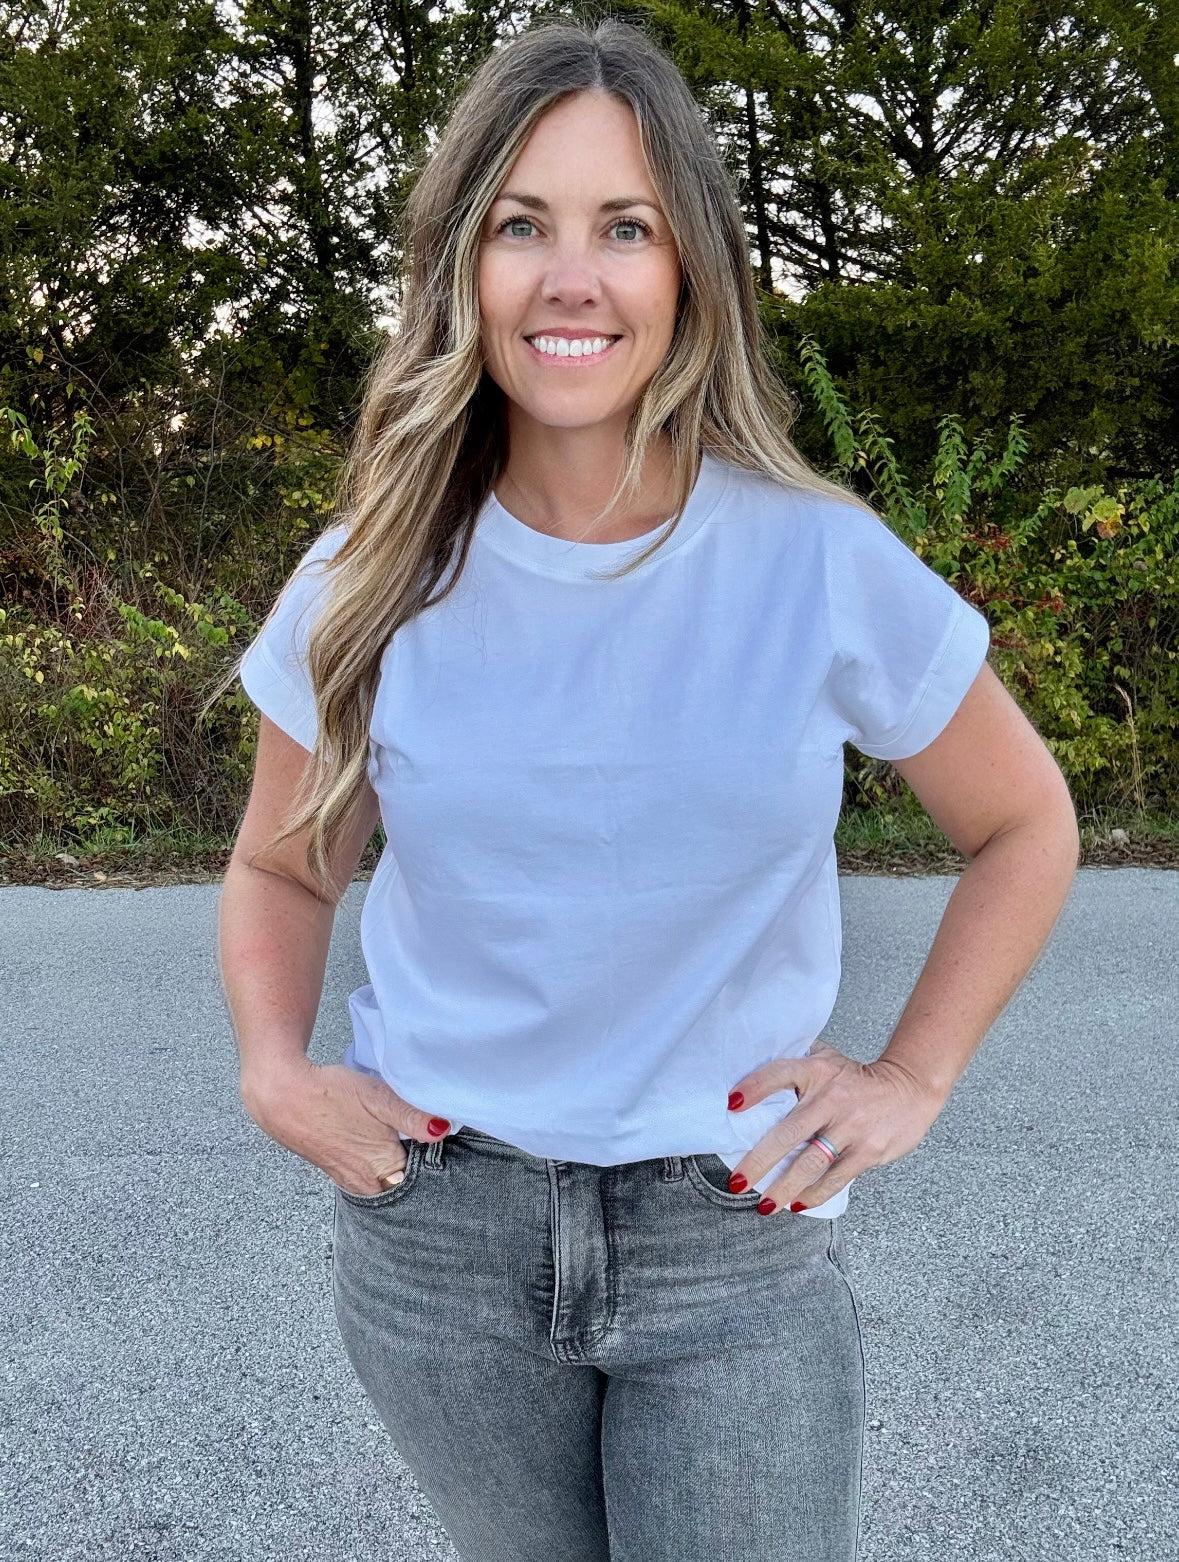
x=609, y=888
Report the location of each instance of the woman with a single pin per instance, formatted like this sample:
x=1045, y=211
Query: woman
x=588, y=1148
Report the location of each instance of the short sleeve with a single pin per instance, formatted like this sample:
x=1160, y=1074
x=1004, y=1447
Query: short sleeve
x=273, y=670
x=905, y=646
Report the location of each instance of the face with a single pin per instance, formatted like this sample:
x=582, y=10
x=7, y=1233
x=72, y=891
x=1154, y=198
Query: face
x=576, y=249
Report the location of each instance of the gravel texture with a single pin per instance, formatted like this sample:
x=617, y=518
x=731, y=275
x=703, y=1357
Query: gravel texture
x=174, y=1386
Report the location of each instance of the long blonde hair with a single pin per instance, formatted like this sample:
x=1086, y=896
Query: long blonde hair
x=430, y=440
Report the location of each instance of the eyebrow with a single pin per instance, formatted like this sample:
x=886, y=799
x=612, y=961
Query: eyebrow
x=615, y=205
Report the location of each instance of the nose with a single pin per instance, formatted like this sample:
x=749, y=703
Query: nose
x=571, y=277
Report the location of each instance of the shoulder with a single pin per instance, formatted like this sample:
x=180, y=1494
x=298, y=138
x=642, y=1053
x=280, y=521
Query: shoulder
x=816, y=521
x=743, y=484
x=306, y=589
x=312, y=568
x=329, y=541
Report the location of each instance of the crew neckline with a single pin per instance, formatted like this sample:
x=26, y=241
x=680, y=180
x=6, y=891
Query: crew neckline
x=501, y=531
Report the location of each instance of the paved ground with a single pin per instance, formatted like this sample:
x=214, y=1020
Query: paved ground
x=174, y=1387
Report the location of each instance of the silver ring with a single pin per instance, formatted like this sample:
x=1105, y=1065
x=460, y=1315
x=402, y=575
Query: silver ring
x=826, y=1146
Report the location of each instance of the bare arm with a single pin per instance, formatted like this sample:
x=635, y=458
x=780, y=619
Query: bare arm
x=990, y=784
x=274, y=931
x=992, y=787
x=274, y=940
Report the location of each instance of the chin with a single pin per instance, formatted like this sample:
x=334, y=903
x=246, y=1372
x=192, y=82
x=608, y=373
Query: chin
x=576, y=411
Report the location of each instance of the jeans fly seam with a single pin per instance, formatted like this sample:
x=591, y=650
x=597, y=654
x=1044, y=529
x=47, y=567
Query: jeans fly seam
x=588, y=1343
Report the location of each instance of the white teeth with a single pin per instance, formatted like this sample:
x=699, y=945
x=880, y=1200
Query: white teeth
x=562, y=347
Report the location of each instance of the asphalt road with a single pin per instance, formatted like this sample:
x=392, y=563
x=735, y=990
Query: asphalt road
x=173, y=1382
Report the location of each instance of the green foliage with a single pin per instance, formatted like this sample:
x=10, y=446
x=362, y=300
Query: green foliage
x=101, y=686
x=97, y=728
x=972, y=208
x=58, y=472
x=1081, y=590
x=100, y=729
x=200, y=230
x=966, y=218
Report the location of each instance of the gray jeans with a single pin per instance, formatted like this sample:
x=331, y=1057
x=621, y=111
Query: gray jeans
x=606, y=1363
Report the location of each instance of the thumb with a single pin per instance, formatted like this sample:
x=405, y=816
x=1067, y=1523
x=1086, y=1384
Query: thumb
x=410, y=1121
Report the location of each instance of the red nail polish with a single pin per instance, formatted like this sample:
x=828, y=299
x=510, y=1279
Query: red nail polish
x=766, y=1207
x=736, y=1099
x=795, y=1207
x=738, y=1182
x=437, y=1126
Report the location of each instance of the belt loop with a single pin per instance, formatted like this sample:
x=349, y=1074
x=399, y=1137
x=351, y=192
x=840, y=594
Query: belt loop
x=673, y=1168
x=434, y=1152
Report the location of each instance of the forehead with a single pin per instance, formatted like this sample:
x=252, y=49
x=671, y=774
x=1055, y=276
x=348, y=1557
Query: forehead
x=588, y=138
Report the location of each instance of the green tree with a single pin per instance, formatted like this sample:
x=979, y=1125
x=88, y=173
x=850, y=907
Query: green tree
x=199, y=234
x=969, y=205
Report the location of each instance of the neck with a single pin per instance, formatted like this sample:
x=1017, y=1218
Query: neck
x=558, y=484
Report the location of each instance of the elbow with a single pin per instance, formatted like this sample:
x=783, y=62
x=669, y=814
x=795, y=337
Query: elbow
x=1051, y=827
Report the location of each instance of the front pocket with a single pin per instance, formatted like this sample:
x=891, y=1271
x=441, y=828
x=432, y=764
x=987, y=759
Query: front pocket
x=709, y=1175
x=414, y=1150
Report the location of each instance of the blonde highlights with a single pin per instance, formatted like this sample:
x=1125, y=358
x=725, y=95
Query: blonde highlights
x=430, y=440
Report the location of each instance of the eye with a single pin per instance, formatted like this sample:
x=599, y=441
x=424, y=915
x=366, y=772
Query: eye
x=511, y=221
x=631, y=222
x=619, y=222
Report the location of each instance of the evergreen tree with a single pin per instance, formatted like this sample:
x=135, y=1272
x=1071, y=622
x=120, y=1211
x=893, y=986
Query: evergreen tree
x=969, y=205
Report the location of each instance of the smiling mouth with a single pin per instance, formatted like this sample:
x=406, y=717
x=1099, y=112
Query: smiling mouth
x=569, y=360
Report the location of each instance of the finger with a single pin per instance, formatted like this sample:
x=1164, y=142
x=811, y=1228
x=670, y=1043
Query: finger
x=834, y=1181
x=426, y=1126
x=802, y=1174
x=813, y=1187
x=789, y=1134
x=409, y=1121
x=767, y=1080
x=774, y=1155
x=369, y=1175
x=391, y=1171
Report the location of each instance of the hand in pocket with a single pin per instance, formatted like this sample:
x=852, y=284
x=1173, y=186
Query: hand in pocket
x=345, y=1122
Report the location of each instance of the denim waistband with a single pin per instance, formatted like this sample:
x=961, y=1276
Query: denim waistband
x=671, y=1167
